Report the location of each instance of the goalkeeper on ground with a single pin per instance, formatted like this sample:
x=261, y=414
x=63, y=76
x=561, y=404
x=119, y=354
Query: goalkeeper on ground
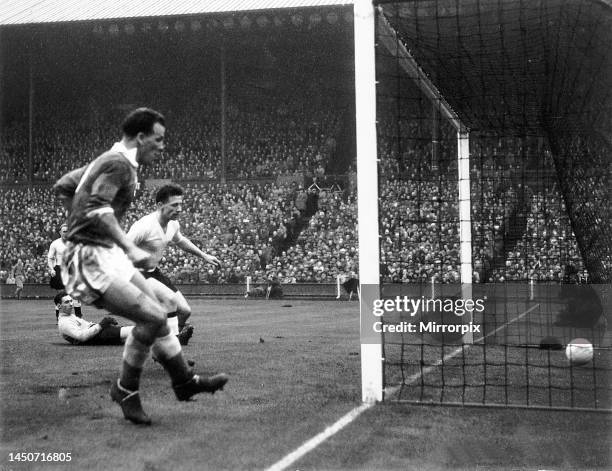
x=79, y=331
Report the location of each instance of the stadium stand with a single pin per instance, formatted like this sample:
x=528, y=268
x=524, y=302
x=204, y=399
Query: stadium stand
x=264, y=227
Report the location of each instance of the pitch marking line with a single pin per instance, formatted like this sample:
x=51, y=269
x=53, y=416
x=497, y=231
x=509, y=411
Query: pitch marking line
x=357, y=411
x=320, y=438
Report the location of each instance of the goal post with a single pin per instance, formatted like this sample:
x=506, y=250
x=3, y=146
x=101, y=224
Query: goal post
x=465, y=223
x=366, y=38
x=489, y=200
x=367, y=199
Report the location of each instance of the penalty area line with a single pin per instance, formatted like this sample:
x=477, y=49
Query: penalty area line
x=346, y=419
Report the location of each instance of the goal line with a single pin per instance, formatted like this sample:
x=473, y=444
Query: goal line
x=351, y=416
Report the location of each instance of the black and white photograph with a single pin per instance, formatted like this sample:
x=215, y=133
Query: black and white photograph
x=293, y=235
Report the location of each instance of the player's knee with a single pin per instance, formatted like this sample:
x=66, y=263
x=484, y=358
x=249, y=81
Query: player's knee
x=159, y=320
x=144, y=333
x=155, y=315
x=167, y=302
x=163, y=331
x=155, y=327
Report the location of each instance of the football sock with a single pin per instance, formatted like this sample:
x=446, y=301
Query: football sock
x=135, y=353
x=173, y=323
x=182, y=320
x=57, y=315
x=124, y=332
x=122, y=389
x=167, y=350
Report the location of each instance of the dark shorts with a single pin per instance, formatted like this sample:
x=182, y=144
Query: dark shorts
x=159, y=276
x=56, y=280
x=111, y=335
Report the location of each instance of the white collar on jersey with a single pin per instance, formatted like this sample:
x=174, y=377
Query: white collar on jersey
x=129, y=154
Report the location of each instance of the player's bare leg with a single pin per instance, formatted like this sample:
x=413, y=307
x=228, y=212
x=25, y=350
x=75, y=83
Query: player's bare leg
x=166, y=346
x=167, y=350
x=137, y=302
x=168, y=299
x=129, y=301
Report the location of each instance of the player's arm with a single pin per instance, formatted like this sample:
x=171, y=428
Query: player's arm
x=66, y=186
x=185, y=244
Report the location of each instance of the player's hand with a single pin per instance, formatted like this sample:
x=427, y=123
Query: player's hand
x=213, y=260
x=140, y=258
x=107, y=321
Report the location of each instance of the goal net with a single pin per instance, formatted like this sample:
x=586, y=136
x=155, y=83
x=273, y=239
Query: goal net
x=494, y=135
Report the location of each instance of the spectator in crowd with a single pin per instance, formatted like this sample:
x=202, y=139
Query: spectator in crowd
x=311, y=234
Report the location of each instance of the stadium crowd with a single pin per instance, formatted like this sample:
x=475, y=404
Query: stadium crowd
x=294, y=234
x=265, y=136
x=420, y=217
x=268, y=231
x=249, y=227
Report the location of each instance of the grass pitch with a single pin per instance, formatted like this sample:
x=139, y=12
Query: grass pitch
x=294, y=368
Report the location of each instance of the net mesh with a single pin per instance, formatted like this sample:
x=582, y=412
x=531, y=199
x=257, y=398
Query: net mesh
x=530, y=81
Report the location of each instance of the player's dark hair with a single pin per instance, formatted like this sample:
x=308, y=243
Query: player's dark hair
x=166, y=191
x=141, y=120
x=57, y=299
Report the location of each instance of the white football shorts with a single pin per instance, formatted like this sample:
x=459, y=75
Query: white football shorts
x=88, y=270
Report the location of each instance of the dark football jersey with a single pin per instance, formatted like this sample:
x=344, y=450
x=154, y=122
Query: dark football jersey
x=106, y=184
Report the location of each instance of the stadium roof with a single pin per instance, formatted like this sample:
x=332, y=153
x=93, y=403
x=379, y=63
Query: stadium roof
x=16, y=12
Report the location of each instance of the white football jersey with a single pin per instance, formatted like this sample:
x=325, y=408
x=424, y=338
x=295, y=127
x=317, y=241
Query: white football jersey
x=56, y=252
x=76, y=330
x=148, y=234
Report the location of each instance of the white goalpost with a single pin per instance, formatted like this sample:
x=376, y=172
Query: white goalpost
x=465, y=222
x=367, y=181
x=367, y=198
